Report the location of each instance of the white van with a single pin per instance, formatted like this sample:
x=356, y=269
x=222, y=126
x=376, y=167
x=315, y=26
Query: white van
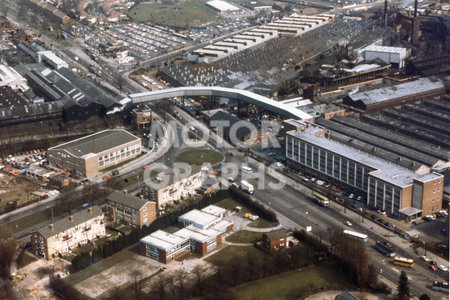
x=246, y=169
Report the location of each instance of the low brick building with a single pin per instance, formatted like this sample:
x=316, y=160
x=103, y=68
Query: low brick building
x=201, y=233
x=275, y=239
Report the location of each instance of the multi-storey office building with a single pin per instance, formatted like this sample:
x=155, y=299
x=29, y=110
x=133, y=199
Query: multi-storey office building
x=88, y=155
x=388, y=186
x=68, y=233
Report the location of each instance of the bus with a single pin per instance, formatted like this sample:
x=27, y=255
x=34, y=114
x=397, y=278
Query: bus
x=403, y=262
x=356, y=236
x=385, y=248
x=321, y=199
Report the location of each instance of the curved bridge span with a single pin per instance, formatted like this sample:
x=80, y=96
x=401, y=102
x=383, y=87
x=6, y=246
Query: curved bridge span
x=265, y=103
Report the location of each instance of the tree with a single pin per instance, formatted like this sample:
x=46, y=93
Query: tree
x=372, y=279
x=424, y=297
x=403, y=286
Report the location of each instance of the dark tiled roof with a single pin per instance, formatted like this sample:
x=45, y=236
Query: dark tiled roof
x=277, y=234
x=66, y=223
x=126, y=199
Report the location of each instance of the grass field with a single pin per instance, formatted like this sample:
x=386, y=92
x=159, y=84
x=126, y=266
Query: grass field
x=29, y=221
x=289, y=285
x=244, y=236
x=262, y=223
x=230, y=253
x=199, y=156
x=182, y=14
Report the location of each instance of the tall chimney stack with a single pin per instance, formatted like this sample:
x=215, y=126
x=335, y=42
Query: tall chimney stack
x=385, y=12
x=415, y=8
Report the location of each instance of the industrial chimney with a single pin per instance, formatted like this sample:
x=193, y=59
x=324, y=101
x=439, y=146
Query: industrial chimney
x=386, y=12
x=415, y=8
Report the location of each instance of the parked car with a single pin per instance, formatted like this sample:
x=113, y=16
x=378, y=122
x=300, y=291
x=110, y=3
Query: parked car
x=348, y=223
x=392, y=216
x=351, y=196
x=354, y=206
x=382, y=212
x=415, y=222
x=387, y=224
x=432, y=262
x=432, y=267
x=424, y=258
x=373, y=217
x=442, y=268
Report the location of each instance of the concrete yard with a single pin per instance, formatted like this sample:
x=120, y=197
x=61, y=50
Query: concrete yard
x=118, y=276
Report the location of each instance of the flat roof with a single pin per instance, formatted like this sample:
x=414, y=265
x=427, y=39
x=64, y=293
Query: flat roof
x=163, y=240
x=97, y=142
x=52, y=56
x=222, y=5
x=197, y=234
x=209, y=52
x=222, y=225
x=411, y=88
x=198, y=217
x=213, y=209
x=386, y=49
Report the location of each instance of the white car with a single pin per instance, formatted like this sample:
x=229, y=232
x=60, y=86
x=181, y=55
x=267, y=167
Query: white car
x=348, y=223
x=442, y=268
x=424, y=258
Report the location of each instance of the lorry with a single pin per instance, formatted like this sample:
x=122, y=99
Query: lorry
x=245, y=186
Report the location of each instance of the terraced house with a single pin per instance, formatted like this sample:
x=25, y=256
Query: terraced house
x=66, y=234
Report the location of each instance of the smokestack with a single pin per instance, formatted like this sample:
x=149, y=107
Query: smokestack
x=386, y=12
x=415, y=8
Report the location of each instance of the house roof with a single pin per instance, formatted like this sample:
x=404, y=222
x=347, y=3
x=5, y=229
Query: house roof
x=64, y=224
x=277, y=234
x=126, y=199
x=97, y=142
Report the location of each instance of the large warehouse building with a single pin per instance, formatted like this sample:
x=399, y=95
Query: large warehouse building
x=388, y=186
x=87, y=156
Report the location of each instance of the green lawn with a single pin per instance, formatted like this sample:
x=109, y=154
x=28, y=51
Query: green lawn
x=230, y=204
x=262, y=223
x=199, y=156
x=182, y=14
x=29, y=221
x=230, y=253
x=244, y=236
x=193, y=136
x=295, y=284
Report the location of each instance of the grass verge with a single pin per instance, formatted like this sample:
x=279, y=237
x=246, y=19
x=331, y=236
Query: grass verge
x=262, y=223
x=29, y=221
x=244, y=236
x=295, y=284
x=229, y=253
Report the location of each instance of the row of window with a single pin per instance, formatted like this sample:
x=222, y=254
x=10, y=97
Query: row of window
x=326, y=162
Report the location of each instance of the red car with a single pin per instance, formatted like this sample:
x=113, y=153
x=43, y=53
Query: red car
x=433, y=267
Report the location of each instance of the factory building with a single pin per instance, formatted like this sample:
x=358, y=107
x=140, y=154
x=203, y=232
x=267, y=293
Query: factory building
x=87, y=156
x=391, y=55
x=50, y=58
x=389, y=186
x=373, y=100
x=222, y=6
x=10, y=77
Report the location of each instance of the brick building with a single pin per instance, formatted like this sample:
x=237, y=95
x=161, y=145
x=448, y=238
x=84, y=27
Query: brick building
x=201, y=233
x=275, y=239
x=130, y=210
x=87, y=156
x=68, y=233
